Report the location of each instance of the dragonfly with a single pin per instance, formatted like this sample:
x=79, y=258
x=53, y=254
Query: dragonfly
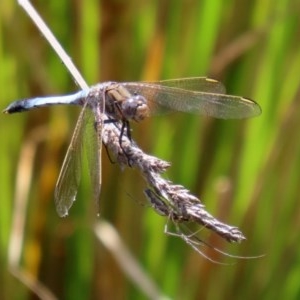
x=125, y=102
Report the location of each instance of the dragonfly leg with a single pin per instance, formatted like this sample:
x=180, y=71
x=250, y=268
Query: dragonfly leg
x=125, y=127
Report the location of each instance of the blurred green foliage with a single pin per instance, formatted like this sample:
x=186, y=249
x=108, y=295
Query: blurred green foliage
x=246, y=172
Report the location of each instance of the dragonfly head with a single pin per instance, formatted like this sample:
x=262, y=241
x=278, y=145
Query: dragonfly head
x=135, y=108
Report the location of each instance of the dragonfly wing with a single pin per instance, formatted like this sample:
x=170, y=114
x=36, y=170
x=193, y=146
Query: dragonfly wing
x=200, y=84
x=164, y=98
x=70, y=174
x=93, y=149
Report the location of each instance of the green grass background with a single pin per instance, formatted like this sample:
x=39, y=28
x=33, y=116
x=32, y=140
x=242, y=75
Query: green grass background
x=245, y=172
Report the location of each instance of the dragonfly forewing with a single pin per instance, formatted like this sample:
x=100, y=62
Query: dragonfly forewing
x=93, y=149
x=70, y=174
x=201, y=84
x=166, y=98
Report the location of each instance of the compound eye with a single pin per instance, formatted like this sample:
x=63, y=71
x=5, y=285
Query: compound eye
x=142, y=112
x=135, y=108
x=129, y=108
